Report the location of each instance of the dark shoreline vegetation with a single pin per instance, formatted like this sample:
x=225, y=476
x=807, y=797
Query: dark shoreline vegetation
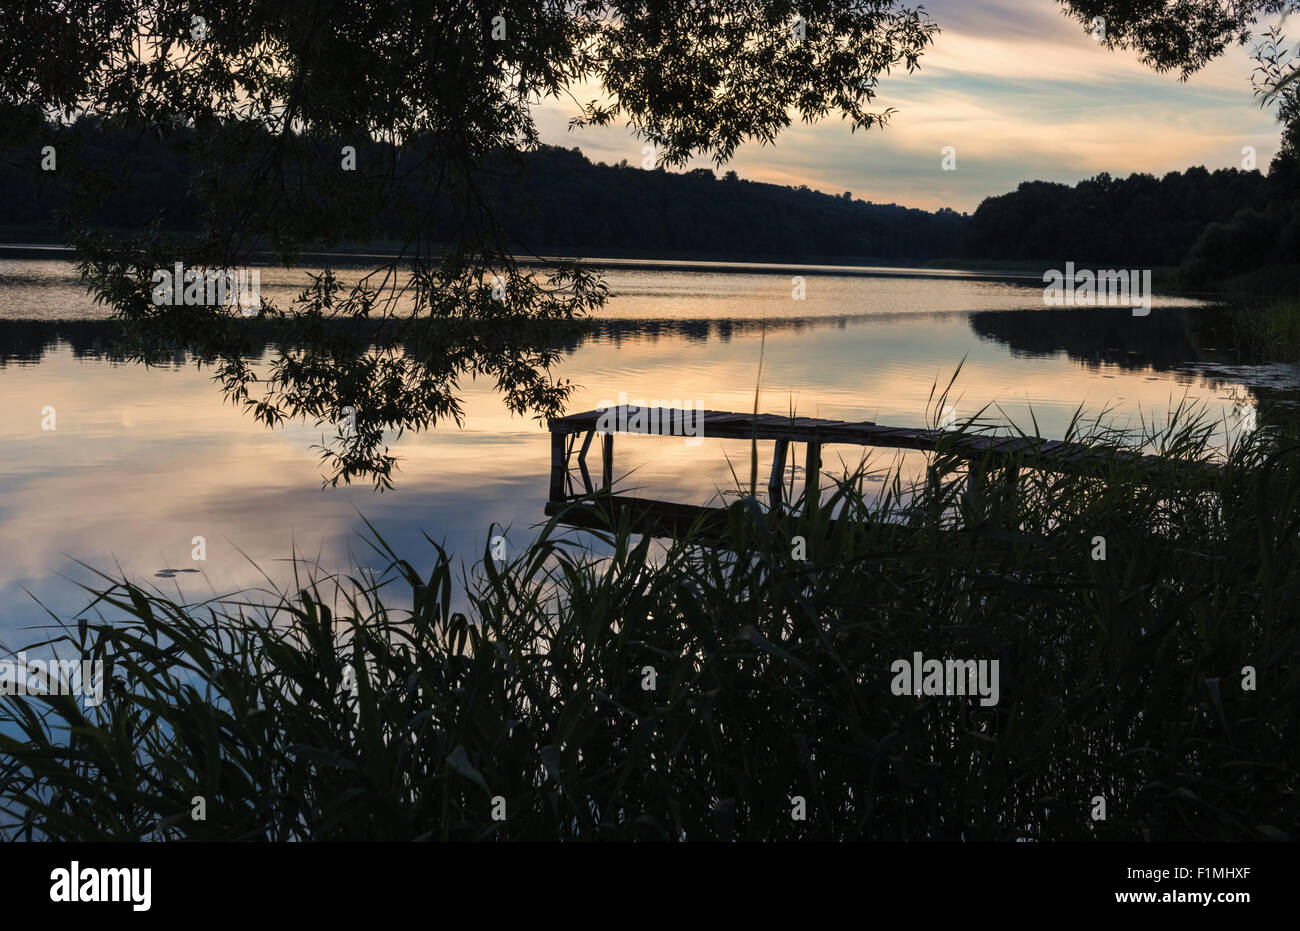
x=1208, y=225
x=1120, y=678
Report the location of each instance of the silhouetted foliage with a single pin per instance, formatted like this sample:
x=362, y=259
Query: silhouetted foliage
x=1264, y=235
x=1138, y=221
x=1182, y=35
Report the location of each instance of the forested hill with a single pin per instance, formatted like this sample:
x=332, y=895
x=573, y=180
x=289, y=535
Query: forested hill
x=557, y=201
x=1138, y=221
x=564, y=200
x=551, y=201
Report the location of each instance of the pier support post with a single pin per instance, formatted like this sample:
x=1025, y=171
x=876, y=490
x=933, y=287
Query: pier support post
x=974, y=485
x=774, y=484
x=582, y=462
x=812, y=477
x=559, y=465
x=607, y=461
x=932, y=486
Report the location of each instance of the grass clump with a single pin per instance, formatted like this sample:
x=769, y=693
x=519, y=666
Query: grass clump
x=1273, y=330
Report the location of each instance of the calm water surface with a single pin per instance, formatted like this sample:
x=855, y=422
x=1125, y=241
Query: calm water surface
x=143, y=460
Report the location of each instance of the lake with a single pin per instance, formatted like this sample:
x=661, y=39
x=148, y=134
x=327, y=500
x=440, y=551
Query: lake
x=141, y=461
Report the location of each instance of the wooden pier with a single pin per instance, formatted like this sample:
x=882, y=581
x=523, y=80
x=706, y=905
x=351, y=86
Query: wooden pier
x=980, y=454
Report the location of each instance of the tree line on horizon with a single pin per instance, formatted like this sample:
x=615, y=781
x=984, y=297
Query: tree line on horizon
x=553, y=200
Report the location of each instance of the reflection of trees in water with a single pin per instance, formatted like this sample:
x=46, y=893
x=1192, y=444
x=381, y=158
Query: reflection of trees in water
x=1195, y=341
x=367, y=379
x=1097, y=336
x=27, y=341
x=399, y=375
x=704, y=329
x=1167, y=340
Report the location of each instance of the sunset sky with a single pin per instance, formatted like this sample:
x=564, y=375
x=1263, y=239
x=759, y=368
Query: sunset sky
x=1022, y=92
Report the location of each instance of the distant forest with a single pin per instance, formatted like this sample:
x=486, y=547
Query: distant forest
x=556, y=201
x=1138, y=221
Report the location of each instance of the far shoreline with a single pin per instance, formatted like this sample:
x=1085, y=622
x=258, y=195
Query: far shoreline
x=873, y=267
